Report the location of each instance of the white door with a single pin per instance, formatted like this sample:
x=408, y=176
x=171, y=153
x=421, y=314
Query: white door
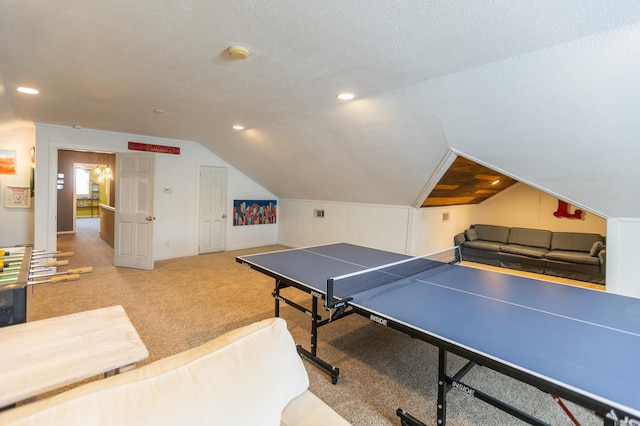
x=133, y=239
x=213, y=217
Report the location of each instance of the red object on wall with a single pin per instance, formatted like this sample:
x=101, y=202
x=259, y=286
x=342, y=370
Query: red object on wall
x=163, y=149
x=563, y=211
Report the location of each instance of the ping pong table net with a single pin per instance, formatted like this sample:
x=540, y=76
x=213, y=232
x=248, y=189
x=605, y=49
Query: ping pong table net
x=340, y=290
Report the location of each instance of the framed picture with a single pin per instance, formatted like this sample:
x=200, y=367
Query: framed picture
x=254, y=212
x=7, y=162
x=17, y=197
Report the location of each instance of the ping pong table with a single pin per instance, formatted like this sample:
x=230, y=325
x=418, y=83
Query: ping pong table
x=575, y=343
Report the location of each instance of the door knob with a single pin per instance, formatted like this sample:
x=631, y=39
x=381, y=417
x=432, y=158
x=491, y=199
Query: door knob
x=224, y=216
x=150, y=218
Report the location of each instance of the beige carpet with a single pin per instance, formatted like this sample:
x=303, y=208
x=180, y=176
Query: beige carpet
x=185, y=302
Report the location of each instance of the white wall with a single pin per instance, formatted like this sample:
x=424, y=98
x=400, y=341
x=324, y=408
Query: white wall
x=524, y=206
x=16, y=224
x=176, y=213
x=431, y=232
x=623, y=257
x=377, y=226
x=421, y=231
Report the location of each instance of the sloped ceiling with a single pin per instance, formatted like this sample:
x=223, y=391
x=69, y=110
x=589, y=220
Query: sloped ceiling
x=543, y=91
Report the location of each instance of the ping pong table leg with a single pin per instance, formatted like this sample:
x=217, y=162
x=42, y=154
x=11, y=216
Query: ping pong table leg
x=314, y=326
x=312, y=354
x=316, y=322
x=442, y=387
x=407, y=419
x=276, y=297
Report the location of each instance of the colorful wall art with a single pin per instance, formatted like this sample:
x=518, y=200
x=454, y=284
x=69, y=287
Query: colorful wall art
x=7, y=162
x=254, y=212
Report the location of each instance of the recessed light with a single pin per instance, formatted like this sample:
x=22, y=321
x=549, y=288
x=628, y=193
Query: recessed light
x=238, y=127
x=345, y=96
x=28, y=90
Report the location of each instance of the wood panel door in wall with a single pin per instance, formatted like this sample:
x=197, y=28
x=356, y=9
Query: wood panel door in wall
x=134, y=217
x=212, y=219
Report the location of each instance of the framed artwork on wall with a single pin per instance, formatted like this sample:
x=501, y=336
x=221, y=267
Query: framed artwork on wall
x=17, y=197
x=254, y=212
x=7, y=162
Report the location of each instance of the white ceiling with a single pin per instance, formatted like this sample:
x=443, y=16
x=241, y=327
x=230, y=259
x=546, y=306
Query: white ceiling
x=545, y=91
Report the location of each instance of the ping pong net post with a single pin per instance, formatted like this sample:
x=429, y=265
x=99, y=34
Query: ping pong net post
x=340, y=290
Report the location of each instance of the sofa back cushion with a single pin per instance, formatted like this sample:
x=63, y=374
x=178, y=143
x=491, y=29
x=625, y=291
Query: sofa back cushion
x=471, y=234
x=247, y=376
x=495, y=233
x=574, y=241
x=530, y=237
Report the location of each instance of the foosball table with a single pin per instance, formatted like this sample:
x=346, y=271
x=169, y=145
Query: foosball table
x=21, y=267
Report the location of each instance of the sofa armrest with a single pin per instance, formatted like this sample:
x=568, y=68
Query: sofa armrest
x=309, y=410
x=459, y=239
x=247, y=376
x=602, y=255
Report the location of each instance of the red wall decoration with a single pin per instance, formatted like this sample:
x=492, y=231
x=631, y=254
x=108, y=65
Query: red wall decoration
x=163, y=149
x=563, y=211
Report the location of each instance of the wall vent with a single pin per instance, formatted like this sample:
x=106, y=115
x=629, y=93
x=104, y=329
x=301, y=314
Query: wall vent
x=318, y=213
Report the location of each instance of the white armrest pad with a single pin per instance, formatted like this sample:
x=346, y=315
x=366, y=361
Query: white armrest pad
x=309, y=410
x=247, y=376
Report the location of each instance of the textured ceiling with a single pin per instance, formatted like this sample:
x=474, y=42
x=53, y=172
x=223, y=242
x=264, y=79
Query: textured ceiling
x=543, y=91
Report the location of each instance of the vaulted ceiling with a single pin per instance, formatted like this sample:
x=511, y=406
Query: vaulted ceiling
x=542, y=91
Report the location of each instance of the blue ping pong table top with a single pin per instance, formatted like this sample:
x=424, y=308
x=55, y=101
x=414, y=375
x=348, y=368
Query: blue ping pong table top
x=584, y=340
x=312, y=266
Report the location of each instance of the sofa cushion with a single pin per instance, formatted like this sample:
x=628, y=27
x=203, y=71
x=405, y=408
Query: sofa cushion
x=572, y=256
x=537, y=252
x=530, y=237
x=471, y=234
x=595, y=248
x=574, y=241
x=247, y=376
x=492, y=233
x=483, y=245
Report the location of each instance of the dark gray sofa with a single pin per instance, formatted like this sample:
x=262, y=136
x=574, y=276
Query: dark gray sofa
x=575, y=255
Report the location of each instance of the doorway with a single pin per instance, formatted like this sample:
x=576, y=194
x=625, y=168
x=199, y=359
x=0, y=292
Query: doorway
x=91, y=188
x=81, y=188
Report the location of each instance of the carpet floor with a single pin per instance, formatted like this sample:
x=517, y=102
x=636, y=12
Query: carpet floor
x=185, y=302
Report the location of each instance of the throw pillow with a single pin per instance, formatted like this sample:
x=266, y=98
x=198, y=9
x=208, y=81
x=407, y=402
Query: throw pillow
x=471, y=234
x=595, y=248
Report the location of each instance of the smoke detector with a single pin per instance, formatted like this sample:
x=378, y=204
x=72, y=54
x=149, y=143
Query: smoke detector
x=238, y=52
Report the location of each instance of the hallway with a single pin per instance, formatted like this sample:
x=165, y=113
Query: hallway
x=85, y=243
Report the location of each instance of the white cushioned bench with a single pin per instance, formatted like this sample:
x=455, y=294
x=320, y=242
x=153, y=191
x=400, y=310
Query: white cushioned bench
x=250, y=376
